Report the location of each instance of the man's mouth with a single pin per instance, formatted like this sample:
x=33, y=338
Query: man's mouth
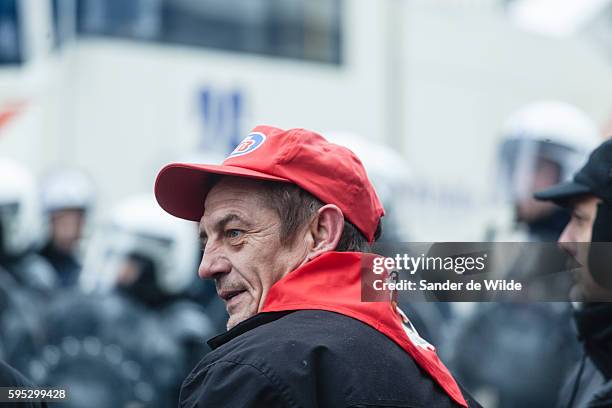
x=227, y=295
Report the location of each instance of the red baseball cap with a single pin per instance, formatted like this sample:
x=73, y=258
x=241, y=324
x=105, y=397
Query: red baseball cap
x=330, y=172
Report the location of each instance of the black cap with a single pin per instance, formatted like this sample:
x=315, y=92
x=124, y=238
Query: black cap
x=594, y=178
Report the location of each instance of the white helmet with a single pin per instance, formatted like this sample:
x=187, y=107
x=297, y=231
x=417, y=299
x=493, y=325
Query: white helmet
x=388, y=172
x=138, y=226
x=65, y=188
x=20, y=216
x=550, y=130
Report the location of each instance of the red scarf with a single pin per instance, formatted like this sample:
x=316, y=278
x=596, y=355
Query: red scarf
x=332, y=282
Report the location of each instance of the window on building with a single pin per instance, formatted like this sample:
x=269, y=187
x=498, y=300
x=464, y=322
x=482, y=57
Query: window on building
x=300, y=29
x=10, y=33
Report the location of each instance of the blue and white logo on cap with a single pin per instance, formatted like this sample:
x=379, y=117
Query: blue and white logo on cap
x=248, y=144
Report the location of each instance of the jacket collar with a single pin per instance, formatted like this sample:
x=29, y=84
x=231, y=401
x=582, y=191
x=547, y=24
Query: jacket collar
x=243, y=327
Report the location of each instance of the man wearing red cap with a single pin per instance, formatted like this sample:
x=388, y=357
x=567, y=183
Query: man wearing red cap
x=285, y=223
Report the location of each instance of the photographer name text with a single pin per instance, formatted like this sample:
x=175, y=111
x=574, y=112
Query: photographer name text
x=425, y=285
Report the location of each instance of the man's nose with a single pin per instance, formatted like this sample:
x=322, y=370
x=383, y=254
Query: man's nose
x=213, y=264
x=566, y=240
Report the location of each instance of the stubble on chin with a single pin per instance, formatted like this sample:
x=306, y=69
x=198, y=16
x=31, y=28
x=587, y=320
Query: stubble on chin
x=239, y=316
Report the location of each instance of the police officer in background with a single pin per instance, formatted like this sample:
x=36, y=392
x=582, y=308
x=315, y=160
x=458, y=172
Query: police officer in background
x=150, y=258
x=142, y=253
x=67, y=198
x=544, y=143
x=589, y=198
x=131, y=336
x=21, y=230
x=26, y=279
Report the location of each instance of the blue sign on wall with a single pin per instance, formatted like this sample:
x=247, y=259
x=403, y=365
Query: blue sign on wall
x=221, y=112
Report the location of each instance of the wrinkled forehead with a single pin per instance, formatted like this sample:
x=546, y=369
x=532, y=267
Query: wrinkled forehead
x=235, y=189
x=242, y=197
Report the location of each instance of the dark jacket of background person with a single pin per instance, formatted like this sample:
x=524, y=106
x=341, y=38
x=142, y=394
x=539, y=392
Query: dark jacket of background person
x=309, y=358
x=9, y=377
x=65, y=264
x=503, y=339
x=590, y=384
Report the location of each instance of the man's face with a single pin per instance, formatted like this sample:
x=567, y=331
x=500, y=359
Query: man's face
x=66, y=228
x=528, y=209
x=243, y=251
x=574, y=238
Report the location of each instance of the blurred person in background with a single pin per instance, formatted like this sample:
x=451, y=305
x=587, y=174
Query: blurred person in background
x=543, y=143
x=20, y=230
x=142, y=253
x=67, y=197
x=284, y=223
x=589, y=198
x=150, y=258
x=132, y=335
x=27, y=281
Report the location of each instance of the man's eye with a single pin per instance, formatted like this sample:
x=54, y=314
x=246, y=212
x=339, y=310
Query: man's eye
x=233, y=233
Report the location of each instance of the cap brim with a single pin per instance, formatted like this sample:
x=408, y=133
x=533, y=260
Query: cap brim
x=563, y=192
x=181, y=188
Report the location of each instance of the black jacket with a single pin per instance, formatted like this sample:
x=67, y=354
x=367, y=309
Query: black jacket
x=590, y=384
x=309, y=358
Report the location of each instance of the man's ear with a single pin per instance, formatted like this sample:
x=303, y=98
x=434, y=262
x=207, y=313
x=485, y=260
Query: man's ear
x=326, y=229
